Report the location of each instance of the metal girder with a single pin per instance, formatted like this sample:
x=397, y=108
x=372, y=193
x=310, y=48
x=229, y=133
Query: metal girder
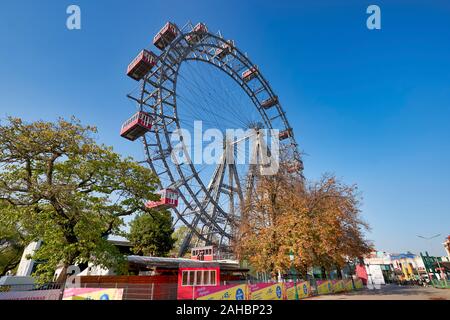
x=203, y=203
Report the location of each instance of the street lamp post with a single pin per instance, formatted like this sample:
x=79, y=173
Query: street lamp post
x=291, y=257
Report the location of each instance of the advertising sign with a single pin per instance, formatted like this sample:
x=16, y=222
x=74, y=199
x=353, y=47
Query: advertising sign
x=289, y=290
x=348, y=285
x=92, y=294
x=324, y=287
x=375, y=275
x=266, y=291
x=358, y=284
x=338, y=285
x=31, y=295
x=228, y=292
x=303, y=290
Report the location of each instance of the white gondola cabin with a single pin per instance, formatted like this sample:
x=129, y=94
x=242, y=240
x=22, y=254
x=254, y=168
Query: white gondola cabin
x=197, y=34
x=165, y=36
x=249, y=74
x=168, y=199
x=225, y=49
x=268, y=103
x=141, y=65
x=136, y=126
x=285, y=134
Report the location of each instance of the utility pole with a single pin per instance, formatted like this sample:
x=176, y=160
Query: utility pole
x=291, y=257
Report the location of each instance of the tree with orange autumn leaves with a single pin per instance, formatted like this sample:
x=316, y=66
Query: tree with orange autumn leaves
x=319, y=222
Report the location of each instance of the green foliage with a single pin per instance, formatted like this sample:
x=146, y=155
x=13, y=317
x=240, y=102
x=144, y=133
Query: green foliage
x=72, y=192
x=12, y=240
x=151, y=233
x=179, y=235
x=320, y=222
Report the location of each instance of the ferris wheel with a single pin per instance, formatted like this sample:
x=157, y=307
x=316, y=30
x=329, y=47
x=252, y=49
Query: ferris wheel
x=199, y=77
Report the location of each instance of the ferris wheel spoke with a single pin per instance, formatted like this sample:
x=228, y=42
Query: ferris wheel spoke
x=227, y=101
x=217, y=117
x=203, y=81
x=217, y=94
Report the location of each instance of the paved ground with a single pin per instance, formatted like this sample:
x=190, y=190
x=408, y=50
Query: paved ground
x=391, y=292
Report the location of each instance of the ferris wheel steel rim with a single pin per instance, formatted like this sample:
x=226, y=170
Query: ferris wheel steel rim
x=164, y=79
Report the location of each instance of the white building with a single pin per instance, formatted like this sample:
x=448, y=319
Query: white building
x=382, y=266
x=26, y=265
x=447, y=246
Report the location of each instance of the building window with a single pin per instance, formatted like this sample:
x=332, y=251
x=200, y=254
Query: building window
x=191, y=278
x=184, y=278
x=198, y=279
x=206, y=278
x=212, y=274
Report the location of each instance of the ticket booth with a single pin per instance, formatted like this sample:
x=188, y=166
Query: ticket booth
x=189, y=278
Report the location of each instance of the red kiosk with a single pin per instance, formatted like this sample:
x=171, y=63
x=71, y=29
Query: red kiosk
x=202, y=272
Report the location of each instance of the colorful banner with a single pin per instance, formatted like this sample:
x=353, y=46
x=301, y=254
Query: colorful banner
x=92, y=294
x=289, y=290
x=31, y=295
x=358, y=284
x=324, y=287
x=338, y=285
x=266, y=291
x=228, y=292
x=348, y=285
x=303, y=290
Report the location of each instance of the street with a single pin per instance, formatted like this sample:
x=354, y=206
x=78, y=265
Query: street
x=391, y=292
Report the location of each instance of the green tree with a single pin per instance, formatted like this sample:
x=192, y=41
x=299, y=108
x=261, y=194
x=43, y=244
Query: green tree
x=179, y=235
x=319, y=222
x=151, y=233
x=72, y=192
x=12, y=240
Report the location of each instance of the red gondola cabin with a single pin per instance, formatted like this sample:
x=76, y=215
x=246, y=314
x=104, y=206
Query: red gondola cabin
x=169, y=199
x=208, y=253
x=225, y=49
x=136, y=126
x=165, y=36
x=141, y=65
x=249, y=74
x=197, y=34
x=285, y=134
x=268, y=103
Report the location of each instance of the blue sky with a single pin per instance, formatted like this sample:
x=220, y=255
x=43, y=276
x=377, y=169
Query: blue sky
x=373, y=107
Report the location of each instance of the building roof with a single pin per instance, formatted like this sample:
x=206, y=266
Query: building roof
x=121, y=243
x=175, y=263
x=396, y=256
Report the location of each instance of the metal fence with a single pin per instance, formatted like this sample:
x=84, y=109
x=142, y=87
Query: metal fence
x=443, y=284
x=139, y=291
x=30, y=287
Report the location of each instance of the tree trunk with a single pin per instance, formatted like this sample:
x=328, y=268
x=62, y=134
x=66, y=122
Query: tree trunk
x=62, y=276
x=10, y=266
